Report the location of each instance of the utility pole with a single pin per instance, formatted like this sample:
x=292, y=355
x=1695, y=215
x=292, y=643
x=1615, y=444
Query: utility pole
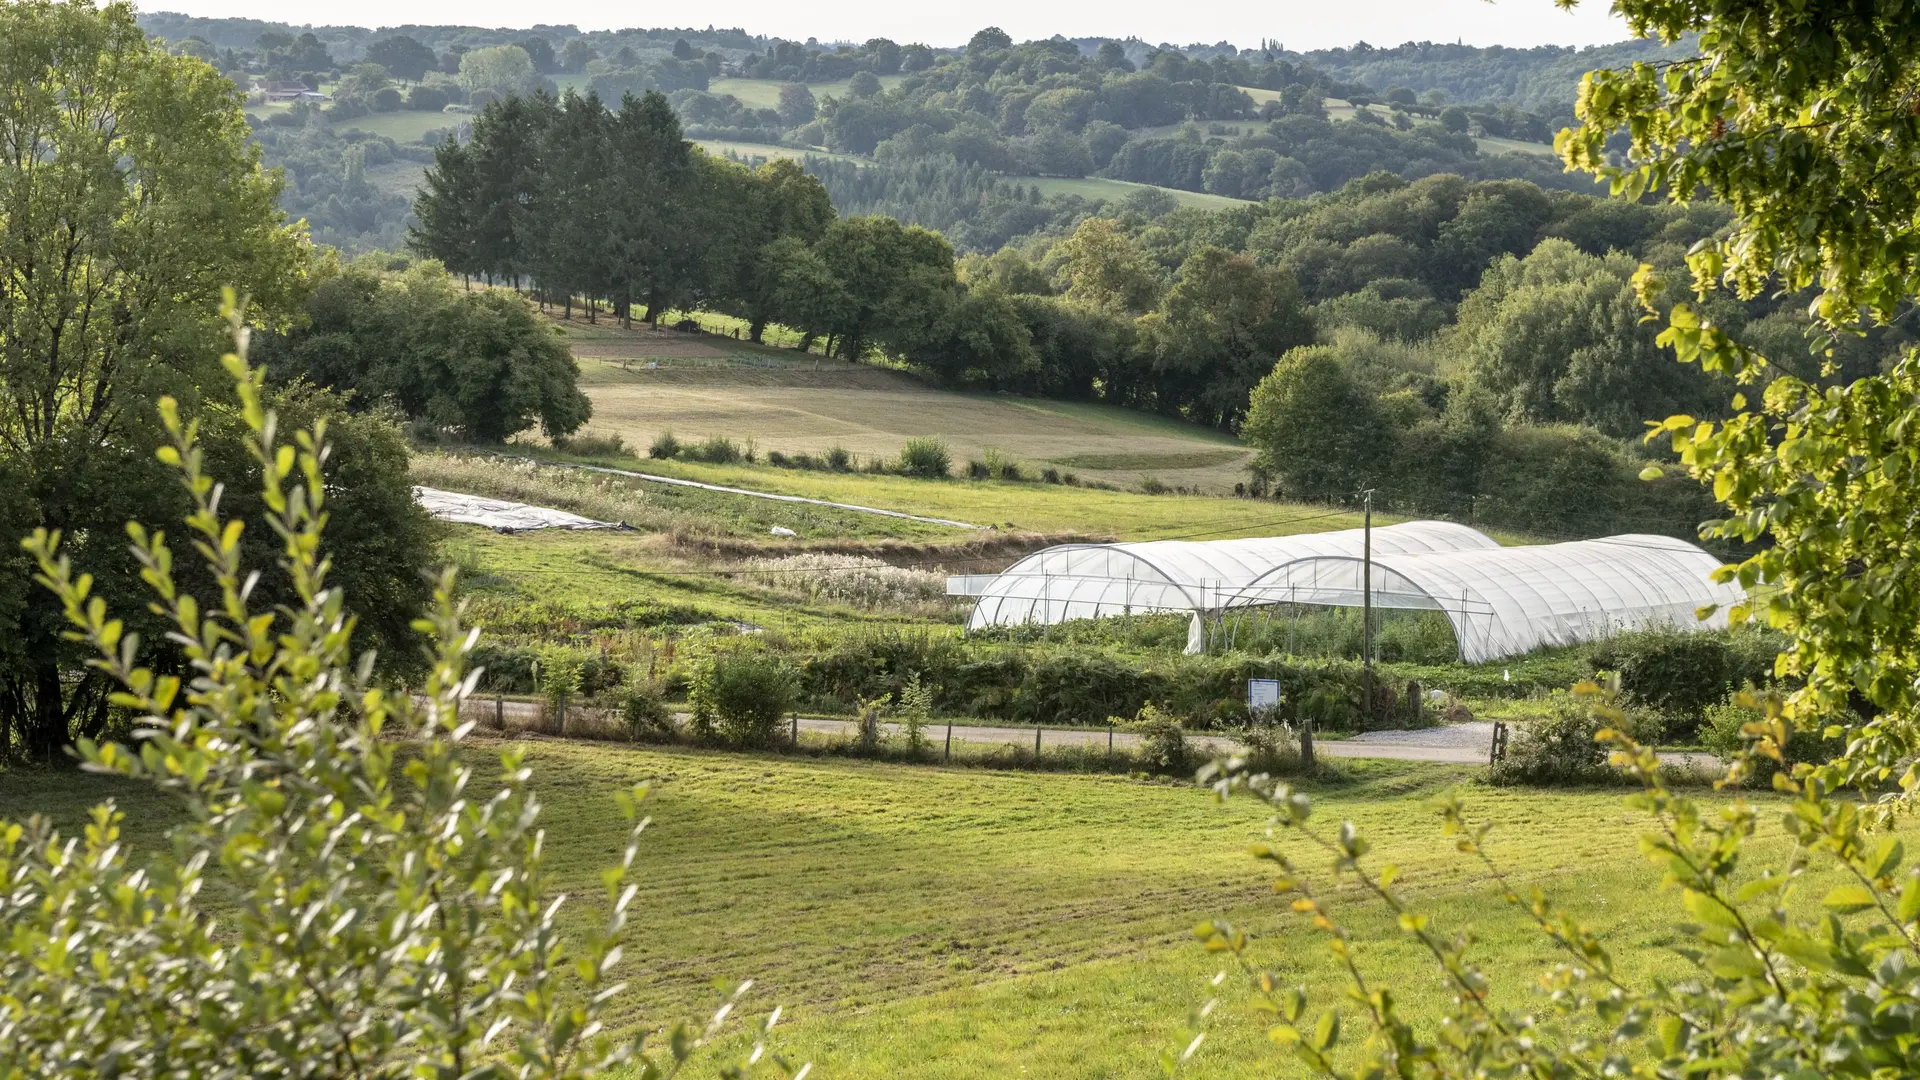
x=1366, y=606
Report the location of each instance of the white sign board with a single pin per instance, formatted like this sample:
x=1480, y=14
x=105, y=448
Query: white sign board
x=1262, y=694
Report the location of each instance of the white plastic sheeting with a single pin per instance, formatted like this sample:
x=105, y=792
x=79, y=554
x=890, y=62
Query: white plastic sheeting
x=1502, y=601
x=500, y=514
x=1089, y=581
x=1509, y=601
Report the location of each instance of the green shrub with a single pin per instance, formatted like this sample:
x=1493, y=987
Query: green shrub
x=250, y=947
x=979, y=470
x=1680, y=674
x=925, y=458
x=741, y=698
x=1050, y=475
x=643, y=709
x=592, y=444
x=516, y=669
x=1163, y=744
x=1078, y=688
x=1721, y=732
x=718, y=450
x=838, y=459
x=1270, y=748
x=665, y=447
x=1560, y=747
x=559, y=677
x=427, y=99
x=1153, y=485
x=913, y=710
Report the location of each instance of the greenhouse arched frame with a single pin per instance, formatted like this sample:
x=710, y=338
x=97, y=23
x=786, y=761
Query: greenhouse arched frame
x=1500, y=601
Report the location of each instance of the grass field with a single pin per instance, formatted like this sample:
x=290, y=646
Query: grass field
x=1043, y=508
x=723, y=147
x=710, y=385
x=765, y=93
x=1490, y=145
x=931, y=923
x=1093, y=187
x=403, y=127
x=1338, y=109
x=704, y=385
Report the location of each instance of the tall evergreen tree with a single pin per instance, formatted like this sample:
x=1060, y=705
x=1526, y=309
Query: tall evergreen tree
x=507, y=173
x=445, y=210
x=572, y=220
x=652, y=164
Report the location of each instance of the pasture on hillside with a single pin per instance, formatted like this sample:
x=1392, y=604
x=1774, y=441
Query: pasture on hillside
x=765, y=93
x=1100, y=187
x=705, y=385
x=1337, y=109
x=928, y=923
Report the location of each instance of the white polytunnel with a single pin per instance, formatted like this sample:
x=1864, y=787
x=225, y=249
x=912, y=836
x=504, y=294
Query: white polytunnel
x=1091, y=581
x=1501, y=601
x=1509, y=601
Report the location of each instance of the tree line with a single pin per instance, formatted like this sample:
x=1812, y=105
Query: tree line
x=584, y=205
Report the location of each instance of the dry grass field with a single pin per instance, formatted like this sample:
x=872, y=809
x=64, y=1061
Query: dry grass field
x=697, y=386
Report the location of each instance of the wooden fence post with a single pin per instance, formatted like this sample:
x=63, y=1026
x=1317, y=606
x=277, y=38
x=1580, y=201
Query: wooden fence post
x=947, y=754
x=1036, y=745
x=1306, y=745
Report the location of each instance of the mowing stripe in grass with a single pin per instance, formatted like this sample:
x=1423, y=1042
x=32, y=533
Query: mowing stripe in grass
x=653, y=478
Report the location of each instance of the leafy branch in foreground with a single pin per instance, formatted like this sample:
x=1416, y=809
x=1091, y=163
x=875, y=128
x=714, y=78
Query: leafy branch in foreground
x=341, y=901
x=1771, y=992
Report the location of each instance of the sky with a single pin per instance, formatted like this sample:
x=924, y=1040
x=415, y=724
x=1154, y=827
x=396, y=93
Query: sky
x=1296, y=24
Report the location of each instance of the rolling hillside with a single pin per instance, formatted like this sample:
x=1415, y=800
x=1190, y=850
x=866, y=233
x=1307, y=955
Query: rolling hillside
x=698, y=386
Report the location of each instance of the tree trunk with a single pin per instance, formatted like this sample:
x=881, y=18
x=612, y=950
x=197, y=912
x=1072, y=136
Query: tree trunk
x=755, y=329
x=654, y=302
x=46, y=732
x=806, y=341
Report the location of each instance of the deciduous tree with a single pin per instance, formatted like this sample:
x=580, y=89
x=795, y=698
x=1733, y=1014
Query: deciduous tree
x=129, y=198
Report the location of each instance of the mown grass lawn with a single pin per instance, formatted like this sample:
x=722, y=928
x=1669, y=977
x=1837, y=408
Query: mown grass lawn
x=947, y=923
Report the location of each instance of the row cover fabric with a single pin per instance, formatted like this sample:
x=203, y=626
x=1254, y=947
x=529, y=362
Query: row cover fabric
x=1089, y=581
x=1510, y=601
x=501, y=515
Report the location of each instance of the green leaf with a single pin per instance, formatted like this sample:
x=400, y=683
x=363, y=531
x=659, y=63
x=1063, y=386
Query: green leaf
x=1847, y=899
x=1909, y=908
x=1735, y=962
x=1887, y=857
x=1708, y=910
x=1327, y=1031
